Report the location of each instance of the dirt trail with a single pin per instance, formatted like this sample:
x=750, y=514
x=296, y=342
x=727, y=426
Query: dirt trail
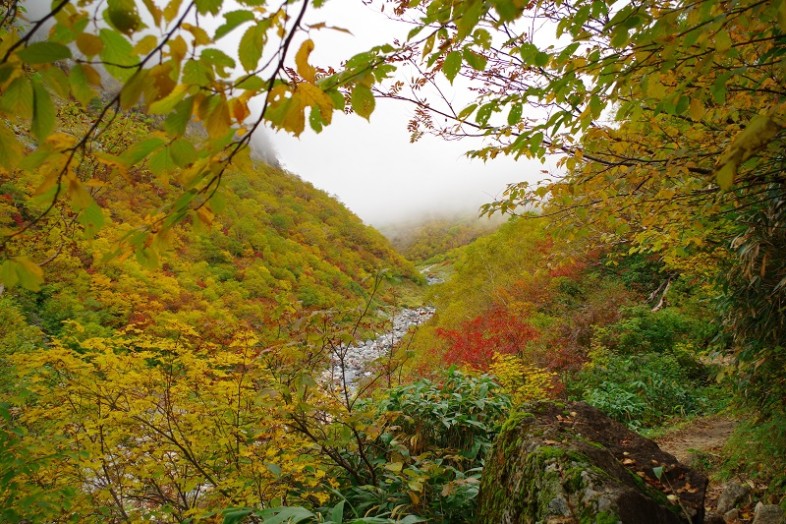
x=706, y=435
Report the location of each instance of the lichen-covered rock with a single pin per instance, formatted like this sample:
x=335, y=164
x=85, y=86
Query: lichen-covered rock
x=733, y=493
x=570, y=463
x=768, y=514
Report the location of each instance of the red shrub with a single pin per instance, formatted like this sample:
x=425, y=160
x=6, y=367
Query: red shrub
x=479, y=339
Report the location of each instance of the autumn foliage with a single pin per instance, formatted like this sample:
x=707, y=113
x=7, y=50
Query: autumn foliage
x=476, y=341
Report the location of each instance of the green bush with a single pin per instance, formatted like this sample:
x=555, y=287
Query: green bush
x=430, y=457
x=642, y=330
x=645, y=390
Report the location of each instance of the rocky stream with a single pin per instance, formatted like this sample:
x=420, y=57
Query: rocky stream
x=358, y=358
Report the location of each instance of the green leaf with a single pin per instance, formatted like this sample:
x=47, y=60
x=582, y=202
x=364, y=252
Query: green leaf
x=168, y=103
x=363, y=101
x=123, y=16
x=514, y=116
x=140, y=150
x=117, y=52
x=161, y=163
x=177, y=121
x=315, y=120
x=251, y=83
x=484, y=113
x=452, y=65
x=30, y=274
x=10, y=148
x=183, y=152
x=132, y=89
x=337, y=514
x=8, y=276
x=541, y=59
x=80, y=87
x=475, y=60
x=212, y=7
x=658, y=471
x=92, y=218
x=18, y=98
x=236, y=516
x=467, y=111
x=469, y=19
x=233, y=20
x=251, y=46
x=44, y=53
x=275, y=469
x=718, y=88
x=44, y=112
x=286, y=515
x=217, y=60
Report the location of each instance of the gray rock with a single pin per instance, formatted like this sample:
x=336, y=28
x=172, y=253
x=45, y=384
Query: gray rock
x=732, y=495
x=768, y=514
x=358, y=358
x=731, y=516
x=550, y=453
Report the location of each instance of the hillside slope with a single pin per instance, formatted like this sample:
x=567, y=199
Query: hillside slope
x=269, y=248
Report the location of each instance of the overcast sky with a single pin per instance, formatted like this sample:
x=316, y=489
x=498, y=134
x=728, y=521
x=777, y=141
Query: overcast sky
x=372, y=167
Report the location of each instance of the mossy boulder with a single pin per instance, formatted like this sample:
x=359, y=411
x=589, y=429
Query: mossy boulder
x=555, y=463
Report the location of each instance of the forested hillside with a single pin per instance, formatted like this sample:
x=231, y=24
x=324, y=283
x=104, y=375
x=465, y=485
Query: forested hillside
x=237, y=308
x=427, y=237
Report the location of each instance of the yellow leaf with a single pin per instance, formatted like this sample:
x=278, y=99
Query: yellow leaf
x=166, y=104
x=162, y=83
x=314, y=97
x=171, y=10
x=200, y=35
x=725, y=176
x=395, y=467
x=146, y=45
x=722, y=41
x=655, y=88
x=31, y=275
x=696, y=109
x=89, y=44
x=294, y=119
x=239, y=109
x=93, y=76
x=178, y=48
x=301, y=61
x=80, y=198
x=218, y=121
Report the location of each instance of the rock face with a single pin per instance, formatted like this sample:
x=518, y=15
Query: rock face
x=570, y=463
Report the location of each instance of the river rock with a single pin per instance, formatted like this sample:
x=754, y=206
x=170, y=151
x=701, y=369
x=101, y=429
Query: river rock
x=571, y=463
x=356, y=359
x=733, y=493
x=768, y=514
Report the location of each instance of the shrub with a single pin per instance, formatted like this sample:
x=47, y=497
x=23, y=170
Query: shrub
x=430, y=455
x=645, y=389
x=523, y=381
x=476, y=341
